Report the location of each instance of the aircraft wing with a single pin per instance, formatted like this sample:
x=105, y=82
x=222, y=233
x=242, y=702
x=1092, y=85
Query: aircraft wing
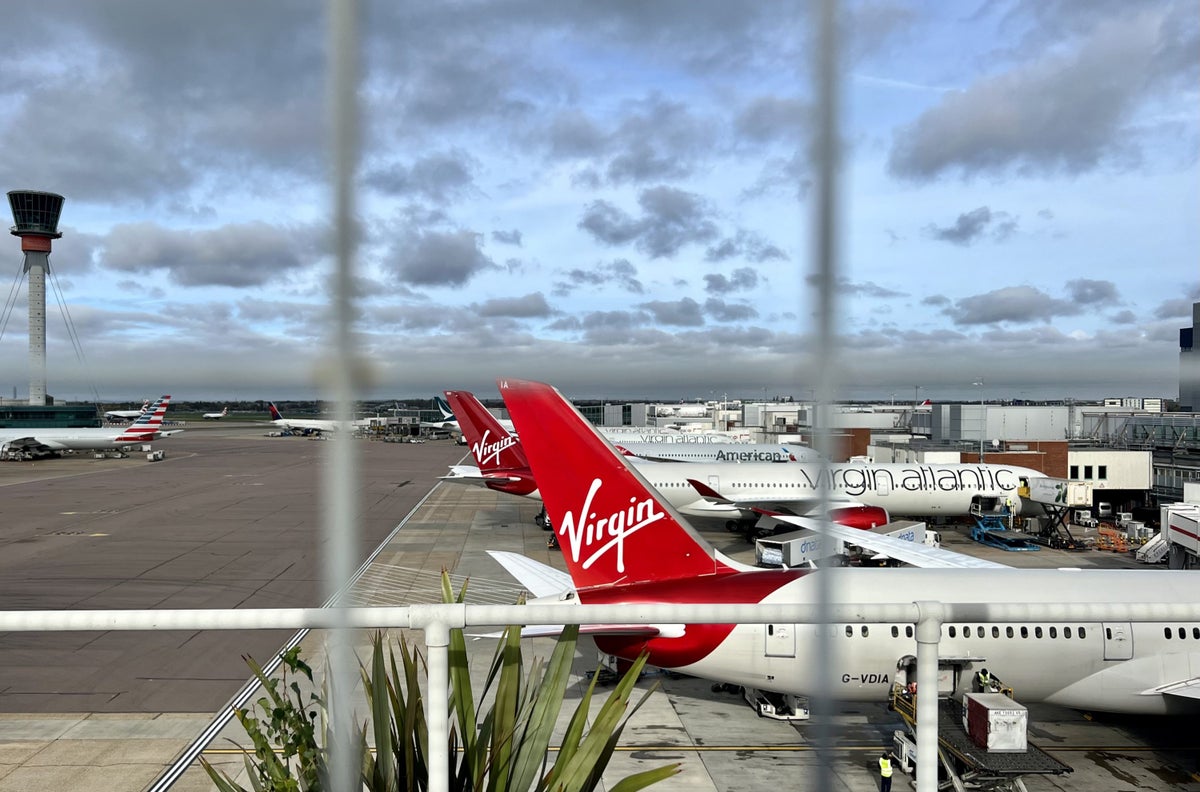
x=546, y=581
x=29, y=445
x=1187, y=689
x=539, y=579
x=772, y=504
x=469, y=474
x=916, y=554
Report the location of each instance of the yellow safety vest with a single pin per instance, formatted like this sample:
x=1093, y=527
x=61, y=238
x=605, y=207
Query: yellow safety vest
x=885, y=768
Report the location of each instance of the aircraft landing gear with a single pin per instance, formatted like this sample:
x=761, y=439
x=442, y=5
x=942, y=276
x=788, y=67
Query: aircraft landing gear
x=542, y=520
x=749, y=529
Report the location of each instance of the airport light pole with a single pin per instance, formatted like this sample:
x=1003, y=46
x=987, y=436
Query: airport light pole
x=982, y=418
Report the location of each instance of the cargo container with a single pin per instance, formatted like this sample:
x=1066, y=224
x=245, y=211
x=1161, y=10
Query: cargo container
x=995, y=722
x=1060, y=492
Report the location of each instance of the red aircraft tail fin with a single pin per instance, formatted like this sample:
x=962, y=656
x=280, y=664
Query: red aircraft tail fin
x=494, y=447
x=612, y=526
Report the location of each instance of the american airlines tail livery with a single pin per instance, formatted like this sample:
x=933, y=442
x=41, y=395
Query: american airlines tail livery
x=623, y=542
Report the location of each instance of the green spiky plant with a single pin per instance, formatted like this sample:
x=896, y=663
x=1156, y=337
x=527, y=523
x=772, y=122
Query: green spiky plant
x=503, y=749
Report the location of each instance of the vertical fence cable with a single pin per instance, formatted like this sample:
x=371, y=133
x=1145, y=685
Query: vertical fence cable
x=340, y=518
x=824, y=268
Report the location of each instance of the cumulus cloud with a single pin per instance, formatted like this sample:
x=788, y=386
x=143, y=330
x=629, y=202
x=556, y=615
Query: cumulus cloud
x=1123, y=318
x=438, y=258
x=240, y=255
x=975, y=225
x=1093, y=292
x=512, y=237
x=671, y=219
x=440, y=178
x=619, y=272
x=729, y=312
x=741, y=279
x=772, y=118
x=1018, y=304
x=531, y=306
x=1174, y=309
x=848, y=288
x=684, y=312
x=648, y=139
x=745, y=244
x=1064, y=111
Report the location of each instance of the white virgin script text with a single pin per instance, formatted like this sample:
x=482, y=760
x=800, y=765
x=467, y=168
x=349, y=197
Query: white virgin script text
x=486, y=452
x=584, y=532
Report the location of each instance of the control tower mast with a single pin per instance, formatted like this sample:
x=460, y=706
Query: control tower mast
x=36, y=217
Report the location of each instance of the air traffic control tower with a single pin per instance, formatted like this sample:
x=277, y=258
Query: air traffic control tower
x=36, y=217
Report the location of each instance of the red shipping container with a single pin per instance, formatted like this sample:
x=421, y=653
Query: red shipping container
x=995, y=722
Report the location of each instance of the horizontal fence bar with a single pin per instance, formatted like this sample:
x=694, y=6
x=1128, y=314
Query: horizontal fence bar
x=420, y=617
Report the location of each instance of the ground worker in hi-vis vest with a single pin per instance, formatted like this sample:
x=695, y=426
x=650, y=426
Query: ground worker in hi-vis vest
x=885, y=772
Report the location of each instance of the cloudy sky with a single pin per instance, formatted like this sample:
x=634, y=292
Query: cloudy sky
x=611, y=196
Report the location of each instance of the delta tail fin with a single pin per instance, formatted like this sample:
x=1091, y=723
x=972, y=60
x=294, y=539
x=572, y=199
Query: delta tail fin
x=275, y=414
x=612, y=526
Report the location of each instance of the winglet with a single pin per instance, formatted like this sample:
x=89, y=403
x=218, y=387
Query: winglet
x=612, y=526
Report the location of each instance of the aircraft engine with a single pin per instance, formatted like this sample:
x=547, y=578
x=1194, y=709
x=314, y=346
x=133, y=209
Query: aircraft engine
x=864, y=517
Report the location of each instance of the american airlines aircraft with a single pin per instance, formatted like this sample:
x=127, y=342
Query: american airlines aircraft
x=739, y=494
x=39, y=442
x=716, y=452
x=623, y=542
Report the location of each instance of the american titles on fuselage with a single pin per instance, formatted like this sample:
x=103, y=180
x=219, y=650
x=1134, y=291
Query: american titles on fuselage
x=753, y=456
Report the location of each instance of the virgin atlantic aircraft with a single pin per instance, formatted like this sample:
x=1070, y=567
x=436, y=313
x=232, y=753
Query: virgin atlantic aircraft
x=623, y=542
x=737, y=494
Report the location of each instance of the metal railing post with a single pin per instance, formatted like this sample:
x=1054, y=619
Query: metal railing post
x=929, y=633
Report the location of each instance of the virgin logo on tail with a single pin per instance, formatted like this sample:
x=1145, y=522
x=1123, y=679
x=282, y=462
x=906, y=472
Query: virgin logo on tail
x=608, y=534
x=489, y=453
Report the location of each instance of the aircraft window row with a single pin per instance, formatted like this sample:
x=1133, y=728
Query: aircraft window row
x=1024, y=632
x=1009, y=632
x=1182, y=632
